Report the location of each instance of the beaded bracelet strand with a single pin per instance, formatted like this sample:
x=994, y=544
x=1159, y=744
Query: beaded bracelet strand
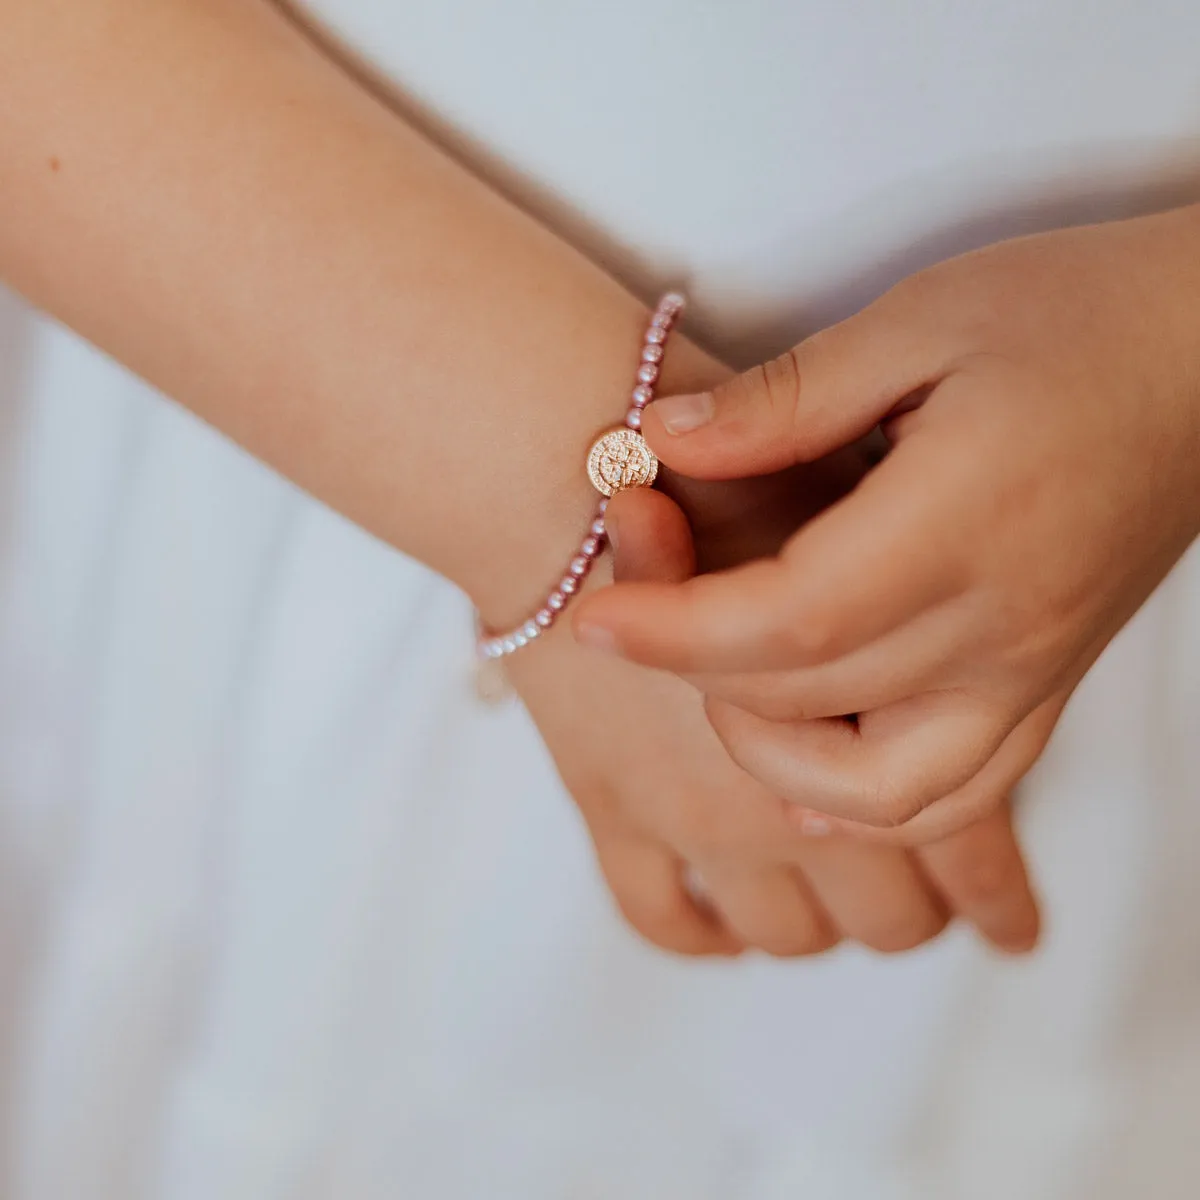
x=618, y=459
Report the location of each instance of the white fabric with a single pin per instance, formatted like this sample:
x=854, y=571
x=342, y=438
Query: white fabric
x=284, y=915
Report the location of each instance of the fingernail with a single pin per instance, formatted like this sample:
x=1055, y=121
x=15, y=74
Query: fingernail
x=596, y=637
x=682, y=414
x=696, y=888
x=815, y=825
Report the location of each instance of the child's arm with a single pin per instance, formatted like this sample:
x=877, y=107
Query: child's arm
x=202, y=193
x=197, y=189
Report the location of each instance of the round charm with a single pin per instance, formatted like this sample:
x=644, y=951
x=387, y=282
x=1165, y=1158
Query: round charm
x=621, y=459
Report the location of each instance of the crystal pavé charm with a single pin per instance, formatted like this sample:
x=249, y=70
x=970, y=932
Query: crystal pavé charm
x=621, y=459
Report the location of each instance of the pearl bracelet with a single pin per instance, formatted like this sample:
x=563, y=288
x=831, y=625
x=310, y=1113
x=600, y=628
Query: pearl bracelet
x=618, y=459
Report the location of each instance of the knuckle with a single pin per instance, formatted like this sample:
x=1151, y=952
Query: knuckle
x=893, y=804
x=812, y=635
x=746, y=395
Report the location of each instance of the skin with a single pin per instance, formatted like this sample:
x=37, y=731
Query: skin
x=200, y=189
x=1043, y=400
x=725, y=826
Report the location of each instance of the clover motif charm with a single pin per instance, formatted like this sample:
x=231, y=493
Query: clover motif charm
x=621, y=459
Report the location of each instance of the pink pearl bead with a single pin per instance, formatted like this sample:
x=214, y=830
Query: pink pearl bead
x=652, y=354
x=633, y=418
x=545, y=618
x=569, y=585
x=602, y=507
x=531, y=629
x=580, y=566
x=661, y=320
x=656, y=335
x=590, y=547
x=556, y=601
x=647, y=373
x=598, y=527
x=642, y=395
x=672, y=302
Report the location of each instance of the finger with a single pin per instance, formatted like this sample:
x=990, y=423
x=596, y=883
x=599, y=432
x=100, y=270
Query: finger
x=895, y=547
x=982, y=876
x=880, y=771
x=647, y=882
x=873, y=894
x=650, y=538
x=980, y=795
x=906, y=662
x=832, y=388
x=769, y=907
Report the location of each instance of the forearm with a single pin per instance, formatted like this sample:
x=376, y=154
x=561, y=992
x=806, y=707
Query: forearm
x=193, y=187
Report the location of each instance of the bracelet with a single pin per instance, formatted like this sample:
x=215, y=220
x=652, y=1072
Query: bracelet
x=618, y=459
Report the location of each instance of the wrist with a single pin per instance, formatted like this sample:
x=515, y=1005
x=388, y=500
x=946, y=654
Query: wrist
x=547, y=514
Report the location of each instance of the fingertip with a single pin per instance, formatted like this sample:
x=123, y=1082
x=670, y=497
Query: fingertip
x=653, y=540
x=1019, y=949
x=679, y=415
x=694, y=454
x=653, y=553
x=600, y=619
x=1022, y=935
x=718, y=450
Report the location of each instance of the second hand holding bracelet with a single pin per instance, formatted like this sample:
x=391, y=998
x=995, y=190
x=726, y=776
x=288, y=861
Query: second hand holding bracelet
x=618, y=459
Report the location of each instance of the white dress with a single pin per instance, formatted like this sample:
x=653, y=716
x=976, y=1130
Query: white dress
x=284, y=915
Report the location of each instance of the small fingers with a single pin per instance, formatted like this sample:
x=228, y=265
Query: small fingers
x=647, y=882
x=979, y=796
x=881, y=771
x=982, y=876
x=769, y=907
x=873, y=894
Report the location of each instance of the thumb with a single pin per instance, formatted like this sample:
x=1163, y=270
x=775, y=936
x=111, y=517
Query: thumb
x=817, y=397
x=650, y=537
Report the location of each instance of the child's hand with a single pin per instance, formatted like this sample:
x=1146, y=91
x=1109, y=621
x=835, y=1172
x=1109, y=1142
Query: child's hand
x=660, y=795
x=1044, y=402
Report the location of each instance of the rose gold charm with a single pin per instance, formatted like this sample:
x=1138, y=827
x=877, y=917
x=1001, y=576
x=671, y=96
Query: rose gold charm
x=621, y=459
